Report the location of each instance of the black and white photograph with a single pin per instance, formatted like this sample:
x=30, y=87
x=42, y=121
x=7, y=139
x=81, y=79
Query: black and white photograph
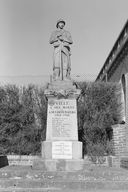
x=63, y=95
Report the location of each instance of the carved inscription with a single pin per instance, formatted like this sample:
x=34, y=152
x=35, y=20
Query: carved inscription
x=62, y=150
x=62, y=118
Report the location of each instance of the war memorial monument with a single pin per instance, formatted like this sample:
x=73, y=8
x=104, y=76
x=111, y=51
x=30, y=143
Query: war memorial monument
x=62, y=150
x=61, y=167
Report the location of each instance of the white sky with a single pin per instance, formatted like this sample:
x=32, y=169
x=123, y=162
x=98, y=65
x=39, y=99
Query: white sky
x=26, y=26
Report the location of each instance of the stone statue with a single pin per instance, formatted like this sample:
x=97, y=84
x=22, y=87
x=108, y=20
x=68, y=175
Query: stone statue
x=61, y=40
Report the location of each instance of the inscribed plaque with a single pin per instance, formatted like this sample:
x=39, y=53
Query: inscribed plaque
x=62, y=119
x=62, y=150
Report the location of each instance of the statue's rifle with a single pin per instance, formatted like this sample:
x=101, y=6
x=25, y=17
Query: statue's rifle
x=61, y=61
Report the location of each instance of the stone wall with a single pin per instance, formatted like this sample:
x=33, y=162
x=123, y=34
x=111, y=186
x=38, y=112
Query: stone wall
x=124, y=162
x=25, y=160
x=119, y=139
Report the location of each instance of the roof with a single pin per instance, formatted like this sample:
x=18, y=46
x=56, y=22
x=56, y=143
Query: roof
x=117, y=48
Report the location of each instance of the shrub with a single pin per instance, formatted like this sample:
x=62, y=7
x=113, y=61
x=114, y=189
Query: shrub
x=19, y=131
x=98, y=109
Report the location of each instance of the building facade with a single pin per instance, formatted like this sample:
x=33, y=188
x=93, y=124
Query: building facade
x=115, y=69
x=116, y=64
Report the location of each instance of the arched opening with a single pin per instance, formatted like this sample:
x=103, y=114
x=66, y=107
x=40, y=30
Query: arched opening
x=123, y=97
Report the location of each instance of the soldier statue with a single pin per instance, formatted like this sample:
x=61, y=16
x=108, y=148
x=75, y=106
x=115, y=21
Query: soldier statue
x=61, y=40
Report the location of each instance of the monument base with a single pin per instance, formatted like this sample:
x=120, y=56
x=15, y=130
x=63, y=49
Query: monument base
x=62, y=150
x=58, y=164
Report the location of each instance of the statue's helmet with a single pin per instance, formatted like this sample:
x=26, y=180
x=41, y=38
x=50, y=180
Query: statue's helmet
x=59, y=21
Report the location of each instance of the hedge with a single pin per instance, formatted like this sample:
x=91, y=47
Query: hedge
x=22, y=119
x=23, y=113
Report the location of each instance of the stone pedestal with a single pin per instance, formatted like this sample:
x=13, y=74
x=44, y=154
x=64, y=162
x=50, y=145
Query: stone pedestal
x=62, y=150
x=59, y=164
x=62, y=129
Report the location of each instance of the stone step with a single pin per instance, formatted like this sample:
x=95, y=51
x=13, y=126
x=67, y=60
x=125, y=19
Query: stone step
x=60, y=164
x=62, y=185
x=88, y=173
x=13, y=189
x=25, y=179
x=57, y=190
x=65, y=176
